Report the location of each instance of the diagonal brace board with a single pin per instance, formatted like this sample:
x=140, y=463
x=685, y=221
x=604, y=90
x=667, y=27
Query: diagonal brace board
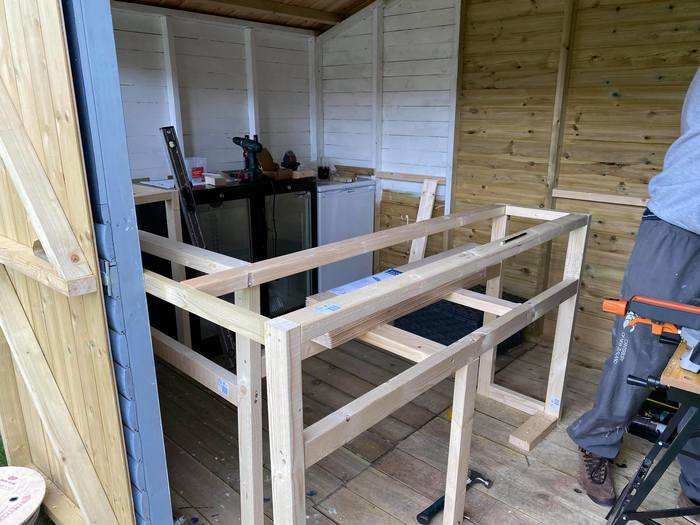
x=51, y=407
x=425, y=211
x=39, y=199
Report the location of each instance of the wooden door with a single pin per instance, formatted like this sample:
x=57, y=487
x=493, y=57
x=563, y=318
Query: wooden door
x=59, y=409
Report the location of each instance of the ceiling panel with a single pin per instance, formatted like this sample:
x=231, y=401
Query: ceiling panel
x=318, y=15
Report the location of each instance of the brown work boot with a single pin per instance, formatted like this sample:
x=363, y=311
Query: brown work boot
x=683, y=502
x=595, y=477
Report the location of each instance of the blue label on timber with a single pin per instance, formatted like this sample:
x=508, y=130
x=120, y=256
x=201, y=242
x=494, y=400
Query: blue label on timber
x=327, y=308
x=365, y=281
x=223, y=386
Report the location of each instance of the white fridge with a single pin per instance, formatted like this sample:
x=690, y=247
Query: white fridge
x=345, y=210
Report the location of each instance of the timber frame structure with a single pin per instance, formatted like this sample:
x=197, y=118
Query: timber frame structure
x=328, y=321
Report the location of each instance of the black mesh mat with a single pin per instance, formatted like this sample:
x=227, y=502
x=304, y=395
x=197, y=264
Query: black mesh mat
x=445, y=322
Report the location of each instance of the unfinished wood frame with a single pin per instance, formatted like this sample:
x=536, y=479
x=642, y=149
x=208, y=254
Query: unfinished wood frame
x=170, y=198
x=59, y=261
x=330, y=320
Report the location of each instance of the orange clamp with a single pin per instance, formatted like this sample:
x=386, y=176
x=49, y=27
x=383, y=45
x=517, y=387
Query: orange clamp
x=615, y=306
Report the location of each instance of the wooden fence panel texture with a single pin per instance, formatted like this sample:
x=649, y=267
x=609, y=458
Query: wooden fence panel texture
x=631, y=64
x=71, y=331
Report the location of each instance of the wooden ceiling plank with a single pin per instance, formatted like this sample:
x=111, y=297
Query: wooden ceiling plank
x=272, y=7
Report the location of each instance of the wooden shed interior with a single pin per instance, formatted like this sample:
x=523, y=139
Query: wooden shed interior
x=472, y=121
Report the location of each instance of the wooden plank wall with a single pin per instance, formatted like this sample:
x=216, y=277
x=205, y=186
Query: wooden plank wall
x=630, y=65
x=346, y=72
x=399, y=209
x=417, y=64
x=72, y=332
x=509, y=64
x=282, y=76
x=409, y=129
x=211, y=75
x=143, y=81
x=209, y=69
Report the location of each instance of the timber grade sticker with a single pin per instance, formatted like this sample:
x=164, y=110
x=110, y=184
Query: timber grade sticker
x=21, y=492
x=327, y=308
x=366, y=281
x=223, y=386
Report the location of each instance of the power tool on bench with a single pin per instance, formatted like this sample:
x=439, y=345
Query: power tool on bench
x=251, y=148
x=672, y=322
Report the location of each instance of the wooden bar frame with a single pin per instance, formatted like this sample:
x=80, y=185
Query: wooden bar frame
x=329, y=320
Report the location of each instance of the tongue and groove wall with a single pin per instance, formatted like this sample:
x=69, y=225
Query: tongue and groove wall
x=387, y=79
x=213, y=78
x=629, y=66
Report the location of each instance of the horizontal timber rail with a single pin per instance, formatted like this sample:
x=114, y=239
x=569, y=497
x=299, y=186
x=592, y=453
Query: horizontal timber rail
x=22, y=259
x=187, y=255
x=218, y=311
x=227, y=281
x=338, y=312
x=207, y=373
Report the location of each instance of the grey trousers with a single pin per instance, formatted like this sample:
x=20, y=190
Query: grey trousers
x=665, y=264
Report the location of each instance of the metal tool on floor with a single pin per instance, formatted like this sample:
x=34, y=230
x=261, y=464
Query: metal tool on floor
x=672, y=322
x=436, y=507
x=189, y=209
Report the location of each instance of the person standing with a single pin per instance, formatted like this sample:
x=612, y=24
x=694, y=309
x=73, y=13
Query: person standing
x=665, y=264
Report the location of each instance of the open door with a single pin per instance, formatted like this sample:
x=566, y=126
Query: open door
x=60, y=410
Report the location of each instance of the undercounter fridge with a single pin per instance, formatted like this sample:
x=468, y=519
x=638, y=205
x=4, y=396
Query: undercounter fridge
x=345, y=210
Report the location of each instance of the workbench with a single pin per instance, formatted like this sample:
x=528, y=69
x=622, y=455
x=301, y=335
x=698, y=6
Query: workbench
x=674, y=376
x=682, y=387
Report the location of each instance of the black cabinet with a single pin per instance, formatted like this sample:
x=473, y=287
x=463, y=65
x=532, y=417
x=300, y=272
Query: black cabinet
x=251, y=221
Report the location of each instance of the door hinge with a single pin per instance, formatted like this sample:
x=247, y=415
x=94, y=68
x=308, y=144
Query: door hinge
x=107, y=278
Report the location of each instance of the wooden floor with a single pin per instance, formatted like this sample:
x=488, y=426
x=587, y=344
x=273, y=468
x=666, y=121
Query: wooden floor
x=391, y=472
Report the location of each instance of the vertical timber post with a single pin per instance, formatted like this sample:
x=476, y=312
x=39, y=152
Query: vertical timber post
x=566, y=316
x=494, y=286
x=250, y=453
x=557, y=135
x=283, y=348
x=460, y=443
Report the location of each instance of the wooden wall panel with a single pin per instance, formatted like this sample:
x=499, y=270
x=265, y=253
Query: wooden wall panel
x=418, y=63
x=510, y=54
x=630, y=64
x=284, y=106
x=34, y=68
x=398, y=209
x=211, y=76
x=346, y=75
x=142, y=77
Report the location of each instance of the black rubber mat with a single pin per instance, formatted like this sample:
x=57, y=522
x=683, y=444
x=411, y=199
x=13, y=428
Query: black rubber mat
x=445, y=322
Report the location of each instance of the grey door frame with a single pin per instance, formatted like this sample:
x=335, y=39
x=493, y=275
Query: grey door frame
x=93, y=56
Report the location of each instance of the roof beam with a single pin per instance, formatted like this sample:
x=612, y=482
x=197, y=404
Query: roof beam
x=271, y=7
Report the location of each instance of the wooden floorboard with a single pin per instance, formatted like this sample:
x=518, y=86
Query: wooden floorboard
x=392, y=471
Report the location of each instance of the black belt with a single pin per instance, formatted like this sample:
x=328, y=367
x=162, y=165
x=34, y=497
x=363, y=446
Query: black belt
x=649, y=215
